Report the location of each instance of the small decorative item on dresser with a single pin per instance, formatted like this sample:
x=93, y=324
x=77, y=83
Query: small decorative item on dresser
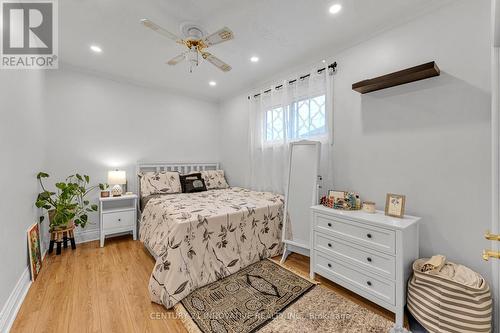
x=344, y=200
x=327, y=202
x=104, y=190
x=395, y=205
x=369, y=207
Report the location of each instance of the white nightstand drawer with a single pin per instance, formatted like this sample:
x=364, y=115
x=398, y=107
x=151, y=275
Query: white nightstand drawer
x=378, y=263
x=118, y=220
x=368, y=236
x=380, y=288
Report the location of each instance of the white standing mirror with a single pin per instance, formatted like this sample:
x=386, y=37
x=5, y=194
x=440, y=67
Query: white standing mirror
x=301, y=193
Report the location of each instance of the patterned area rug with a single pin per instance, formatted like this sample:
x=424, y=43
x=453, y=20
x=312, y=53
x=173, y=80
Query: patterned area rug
x=246, y=300
x=322, y=310
x=246, y=308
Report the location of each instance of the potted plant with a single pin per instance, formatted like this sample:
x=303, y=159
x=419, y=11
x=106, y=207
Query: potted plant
x=104, y=190
x=68, y=205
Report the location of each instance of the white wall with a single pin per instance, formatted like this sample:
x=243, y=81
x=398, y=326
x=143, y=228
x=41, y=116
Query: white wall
x=22, y=151
x=496, y=23
x=96, y=124
x=67, y=121
x=429, y=140
x=235, y=152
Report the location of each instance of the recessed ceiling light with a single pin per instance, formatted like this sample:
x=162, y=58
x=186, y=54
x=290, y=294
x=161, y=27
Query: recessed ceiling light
x=323, y=61
x=334, y=9
x=96, y=48
x=254, y=59
x=212, y=83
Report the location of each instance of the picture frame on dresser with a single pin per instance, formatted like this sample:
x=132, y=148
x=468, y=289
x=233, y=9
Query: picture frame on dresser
x=370, y=254
x=395, y=205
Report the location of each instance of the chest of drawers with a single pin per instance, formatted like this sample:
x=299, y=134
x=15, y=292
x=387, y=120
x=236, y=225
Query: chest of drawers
x=369, y=254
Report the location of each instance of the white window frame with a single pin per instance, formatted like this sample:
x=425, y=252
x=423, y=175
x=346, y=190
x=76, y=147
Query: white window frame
x=287, y=118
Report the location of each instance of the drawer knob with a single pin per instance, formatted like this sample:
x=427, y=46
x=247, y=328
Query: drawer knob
x=329, y=265
x=329, y=245
x=329, y=224
x=119, y=220
x=369, y=283
x=369, y=235
x=369, y=259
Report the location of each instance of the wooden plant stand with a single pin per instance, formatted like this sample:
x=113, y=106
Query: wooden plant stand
x=60, y=237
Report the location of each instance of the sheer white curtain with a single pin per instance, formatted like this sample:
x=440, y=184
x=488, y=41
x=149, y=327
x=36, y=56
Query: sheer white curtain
x=288, y=111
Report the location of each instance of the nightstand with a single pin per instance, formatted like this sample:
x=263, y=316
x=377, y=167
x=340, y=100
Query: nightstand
x=118, y=215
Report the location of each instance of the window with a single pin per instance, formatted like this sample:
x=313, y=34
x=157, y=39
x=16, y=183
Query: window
x=305, y=118
x=275, y=124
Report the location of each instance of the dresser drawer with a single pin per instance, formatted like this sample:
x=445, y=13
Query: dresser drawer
x=118, y=220
x=363, y=234
x=380, y=288
x=379, y=263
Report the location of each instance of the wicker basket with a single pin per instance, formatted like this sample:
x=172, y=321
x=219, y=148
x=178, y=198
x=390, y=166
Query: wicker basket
x=443, y=305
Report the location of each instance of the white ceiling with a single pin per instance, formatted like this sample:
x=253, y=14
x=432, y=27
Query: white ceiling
x=282, y=33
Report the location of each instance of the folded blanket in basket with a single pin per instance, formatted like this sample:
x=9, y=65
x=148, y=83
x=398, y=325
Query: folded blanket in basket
x=437, y=265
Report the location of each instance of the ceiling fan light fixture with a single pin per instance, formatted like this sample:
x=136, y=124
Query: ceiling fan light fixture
x=196, y=46
x=192, y=59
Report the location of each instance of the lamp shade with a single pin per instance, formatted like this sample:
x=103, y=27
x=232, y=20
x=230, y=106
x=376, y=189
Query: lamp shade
x=117, y=177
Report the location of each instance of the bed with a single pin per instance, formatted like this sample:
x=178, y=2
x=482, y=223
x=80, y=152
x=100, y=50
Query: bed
x=198, y=238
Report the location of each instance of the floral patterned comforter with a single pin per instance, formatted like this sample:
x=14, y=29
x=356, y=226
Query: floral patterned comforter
x=199, y=238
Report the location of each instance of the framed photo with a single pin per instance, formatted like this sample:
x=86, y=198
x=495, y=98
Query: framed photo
x=336, y=195
x=34, y=251
x=395, y=205
x=344, y=200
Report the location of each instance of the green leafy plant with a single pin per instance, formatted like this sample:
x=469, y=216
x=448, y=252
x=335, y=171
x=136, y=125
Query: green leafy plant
x=68, y=203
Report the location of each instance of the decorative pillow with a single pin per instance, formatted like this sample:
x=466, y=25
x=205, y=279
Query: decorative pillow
x=192, y=183
x=163, y=182
x=214, y=179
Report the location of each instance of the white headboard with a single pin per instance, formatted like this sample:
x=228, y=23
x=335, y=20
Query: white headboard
x=180, y=167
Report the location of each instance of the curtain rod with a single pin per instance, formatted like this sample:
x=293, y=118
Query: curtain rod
x=332, y=67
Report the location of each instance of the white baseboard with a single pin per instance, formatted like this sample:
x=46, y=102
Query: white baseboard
x=83, y=236
x=16, y=298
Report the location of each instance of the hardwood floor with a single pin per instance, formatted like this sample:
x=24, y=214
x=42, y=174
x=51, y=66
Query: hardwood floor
x=93, y=289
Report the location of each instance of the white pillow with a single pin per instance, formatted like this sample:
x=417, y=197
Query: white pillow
x=214, y=179
x=163, y=182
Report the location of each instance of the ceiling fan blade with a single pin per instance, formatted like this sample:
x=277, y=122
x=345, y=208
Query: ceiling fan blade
x=176, y=60
x=155, y=27
x=218, y=37
x=216, y=62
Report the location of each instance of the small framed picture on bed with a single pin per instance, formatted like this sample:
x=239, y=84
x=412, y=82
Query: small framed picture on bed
x=395, y=205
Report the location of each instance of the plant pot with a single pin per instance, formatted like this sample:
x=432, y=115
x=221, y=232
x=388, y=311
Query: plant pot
x=104, y=194
x=58, y=227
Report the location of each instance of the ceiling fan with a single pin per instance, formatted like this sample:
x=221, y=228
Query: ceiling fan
x=196, y=43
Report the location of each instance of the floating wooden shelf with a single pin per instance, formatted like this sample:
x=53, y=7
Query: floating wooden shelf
x=408, y=75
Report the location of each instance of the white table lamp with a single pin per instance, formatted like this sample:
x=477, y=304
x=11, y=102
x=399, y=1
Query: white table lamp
x=117, y=178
